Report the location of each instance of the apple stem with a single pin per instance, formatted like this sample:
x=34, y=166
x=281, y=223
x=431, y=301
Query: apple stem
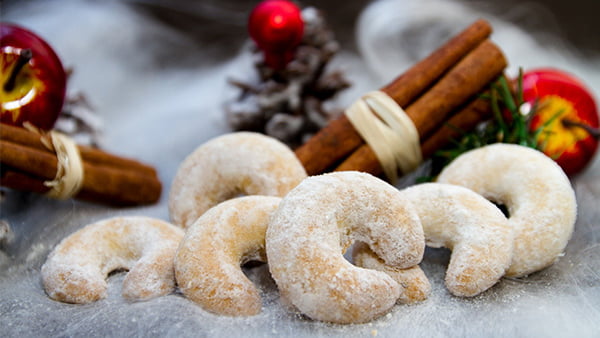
x=595, y=133
x=24, y=57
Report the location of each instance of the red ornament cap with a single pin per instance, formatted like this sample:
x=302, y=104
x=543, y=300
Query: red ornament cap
x=276, y=26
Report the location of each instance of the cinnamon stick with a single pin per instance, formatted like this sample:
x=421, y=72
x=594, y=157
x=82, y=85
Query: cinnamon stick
x=428, y=113
x=92, y=155
x=24, y=182
x=26, y=167
x=19, y=181
x=329, y=145
x=14, y=179
x=339, y=138
x=463, y=122
x=418, y=78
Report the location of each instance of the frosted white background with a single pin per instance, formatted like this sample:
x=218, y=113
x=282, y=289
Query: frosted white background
x=160, y=95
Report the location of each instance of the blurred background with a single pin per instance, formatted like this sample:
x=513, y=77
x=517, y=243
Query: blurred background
x=387, y=35
x=574, y=21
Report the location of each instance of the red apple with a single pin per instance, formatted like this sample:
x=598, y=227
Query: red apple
x=32, y=79
x=567, y=111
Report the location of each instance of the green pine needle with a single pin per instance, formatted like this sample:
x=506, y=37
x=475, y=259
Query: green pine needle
x=508, y=125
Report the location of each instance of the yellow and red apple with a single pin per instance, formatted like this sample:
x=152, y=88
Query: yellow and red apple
x=32, y=79
x=566, y=109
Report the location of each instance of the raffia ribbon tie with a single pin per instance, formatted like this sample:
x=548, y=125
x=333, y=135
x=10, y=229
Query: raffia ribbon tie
x=390, y=133
x=69, y=173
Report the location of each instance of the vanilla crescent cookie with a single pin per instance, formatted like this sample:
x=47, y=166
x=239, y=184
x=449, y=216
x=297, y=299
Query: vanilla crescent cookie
x=313, y=226
x=76, y=270
x=208, y=261
x=537, y=193
x=234, y=164
x=473, y=228
x=414, y=285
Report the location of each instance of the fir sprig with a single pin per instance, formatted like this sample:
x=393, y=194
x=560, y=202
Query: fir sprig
x=511, y=123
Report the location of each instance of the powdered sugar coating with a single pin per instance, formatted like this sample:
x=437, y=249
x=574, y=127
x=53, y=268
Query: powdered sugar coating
x=317, y=221
x=472, y=227
x=414, y=285
x=234, y=164
x=207, y=264
x=537, y=193
x=76, y=270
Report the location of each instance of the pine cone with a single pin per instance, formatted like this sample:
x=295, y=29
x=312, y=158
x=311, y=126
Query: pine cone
x=288, y=104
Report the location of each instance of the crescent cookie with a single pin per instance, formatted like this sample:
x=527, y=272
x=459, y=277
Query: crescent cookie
x=414, y=285
x=207, y=264
x=536, y=192
x=234, y=164
x=313, y=226
x=472, y=227
x=76, y=270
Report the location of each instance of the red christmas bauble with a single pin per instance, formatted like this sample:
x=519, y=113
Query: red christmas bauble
x=276, y=26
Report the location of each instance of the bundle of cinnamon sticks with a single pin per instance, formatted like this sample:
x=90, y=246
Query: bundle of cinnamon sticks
x=108, y=179
x=440, y=94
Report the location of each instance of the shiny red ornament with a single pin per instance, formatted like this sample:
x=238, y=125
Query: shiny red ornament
x=276, y=26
